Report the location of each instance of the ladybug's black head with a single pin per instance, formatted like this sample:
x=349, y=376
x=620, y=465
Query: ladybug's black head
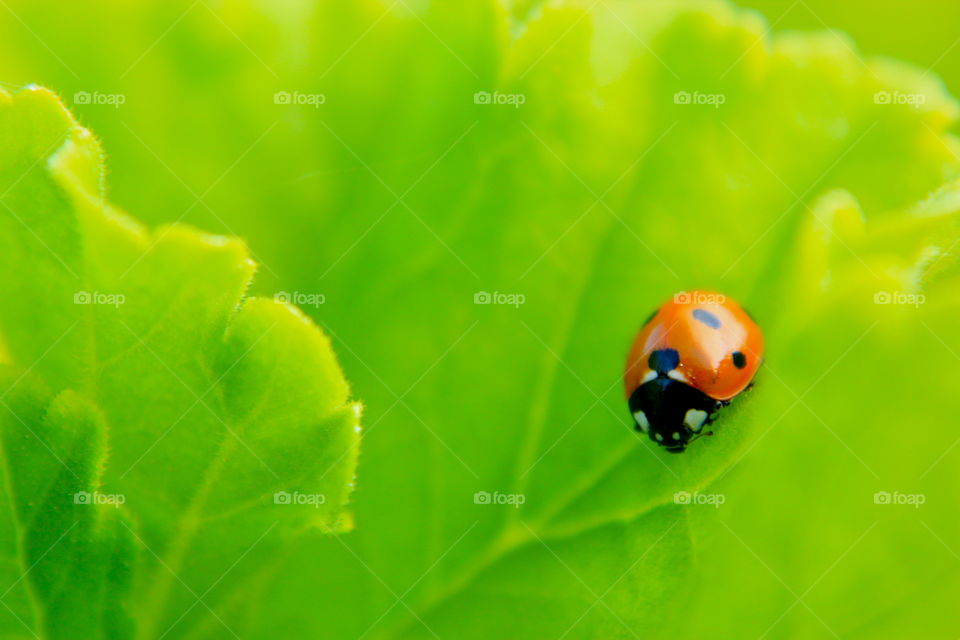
x=670, y=411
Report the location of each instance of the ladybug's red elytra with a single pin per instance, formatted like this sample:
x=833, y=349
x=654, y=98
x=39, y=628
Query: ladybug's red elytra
x=690, y=359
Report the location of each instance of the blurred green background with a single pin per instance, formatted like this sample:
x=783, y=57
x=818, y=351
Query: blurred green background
x=390, y=192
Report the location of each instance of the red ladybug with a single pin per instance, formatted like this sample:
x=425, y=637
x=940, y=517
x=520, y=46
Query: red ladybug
x=690, y=359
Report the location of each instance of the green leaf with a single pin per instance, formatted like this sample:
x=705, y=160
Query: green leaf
x=399, y=198
x=219, y=424
x=77, y=555
x=761, y=198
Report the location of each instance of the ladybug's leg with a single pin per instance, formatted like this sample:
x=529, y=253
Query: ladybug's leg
x=700, y=435
x=720, y=404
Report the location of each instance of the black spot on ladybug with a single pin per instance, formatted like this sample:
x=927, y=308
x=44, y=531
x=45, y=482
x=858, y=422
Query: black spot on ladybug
x=739, y=360
x=707, y=318
x=663, y=361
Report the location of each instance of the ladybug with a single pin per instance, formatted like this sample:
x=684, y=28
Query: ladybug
x=690, y=359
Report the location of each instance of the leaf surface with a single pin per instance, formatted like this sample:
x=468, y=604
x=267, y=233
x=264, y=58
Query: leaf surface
x=211, y=427
x=802, y=195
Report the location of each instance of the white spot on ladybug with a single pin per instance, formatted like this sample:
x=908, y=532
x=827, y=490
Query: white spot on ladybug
x=695, y=419
x=677, y=375
x=676, y=435
x=648, y=376
x=658, y=437
x=642, y=421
